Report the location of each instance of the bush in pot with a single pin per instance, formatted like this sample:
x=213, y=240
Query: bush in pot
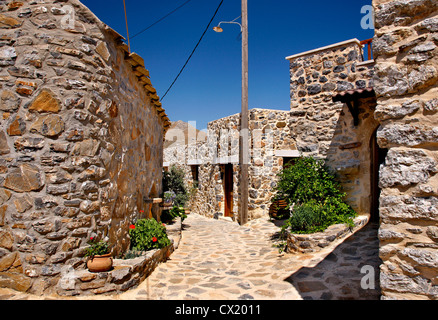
x=99, y=257
x=173, y=180
x=169, y=196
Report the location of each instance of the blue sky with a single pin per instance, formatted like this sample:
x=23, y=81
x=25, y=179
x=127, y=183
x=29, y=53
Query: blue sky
x=210, y=86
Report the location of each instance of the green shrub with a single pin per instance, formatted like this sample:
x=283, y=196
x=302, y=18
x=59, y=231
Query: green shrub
x=132, y=254
x=306, y=217
x=148, y=234
x=175, y=212
x=315, y=196
x=173, y=180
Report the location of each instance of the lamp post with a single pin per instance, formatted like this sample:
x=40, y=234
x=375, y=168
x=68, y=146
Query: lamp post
x=244, y=133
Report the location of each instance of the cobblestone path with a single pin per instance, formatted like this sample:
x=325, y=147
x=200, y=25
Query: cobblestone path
x=220, y=260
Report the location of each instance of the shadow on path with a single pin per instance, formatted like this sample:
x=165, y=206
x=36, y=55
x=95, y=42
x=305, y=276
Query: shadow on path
x=338, y=276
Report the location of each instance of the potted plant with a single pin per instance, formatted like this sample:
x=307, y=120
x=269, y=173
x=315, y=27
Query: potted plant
x=99, y=257
x=169, y=196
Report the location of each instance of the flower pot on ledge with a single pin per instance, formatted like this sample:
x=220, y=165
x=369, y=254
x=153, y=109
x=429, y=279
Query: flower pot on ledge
x=168, y=204
x=100, y=263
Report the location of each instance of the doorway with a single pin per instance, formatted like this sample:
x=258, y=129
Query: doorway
x=228, y=190
x=378, y=157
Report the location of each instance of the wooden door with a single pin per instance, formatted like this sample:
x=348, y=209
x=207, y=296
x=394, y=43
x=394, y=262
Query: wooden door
x=228, y=190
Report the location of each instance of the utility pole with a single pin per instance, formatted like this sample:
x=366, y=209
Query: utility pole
x=244, y=133
x=127, y=30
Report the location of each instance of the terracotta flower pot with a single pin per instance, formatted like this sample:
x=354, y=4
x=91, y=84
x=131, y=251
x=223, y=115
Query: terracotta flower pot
x=100, y=263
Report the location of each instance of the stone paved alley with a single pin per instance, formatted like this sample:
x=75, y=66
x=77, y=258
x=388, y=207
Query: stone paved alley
x=217, y=259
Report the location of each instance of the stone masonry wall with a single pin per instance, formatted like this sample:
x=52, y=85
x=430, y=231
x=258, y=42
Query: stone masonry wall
x=268, y=133
x=349, y=154
x=406, y=54
x=326, y=129
x=315, y=78
x=81, y=134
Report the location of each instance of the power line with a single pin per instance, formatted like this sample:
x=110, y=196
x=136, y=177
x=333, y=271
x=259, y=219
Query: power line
x=205, y=31
x=159, y=20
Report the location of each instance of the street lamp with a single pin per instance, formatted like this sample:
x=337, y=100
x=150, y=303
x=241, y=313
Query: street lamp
x=219, y=29
x=244, y=133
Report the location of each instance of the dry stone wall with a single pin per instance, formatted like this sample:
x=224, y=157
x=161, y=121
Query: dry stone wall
x=270, y=136
x=316, y=77
x=81, y=134
x=406, y=54
x=328, y=130
x=268, y=133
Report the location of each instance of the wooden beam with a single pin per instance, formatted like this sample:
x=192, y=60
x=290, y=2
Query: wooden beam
x=141, y=70
x=353, y=106
x=137, y=58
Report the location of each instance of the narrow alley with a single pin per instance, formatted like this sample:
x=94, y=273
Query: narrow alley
x=220, y=260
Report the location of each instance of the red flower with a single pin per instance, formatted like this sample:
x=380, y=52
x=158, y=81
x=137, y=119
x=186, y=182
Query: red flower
x=91, y=238
x=154, y=239
x=141, y=211
x=131, y=226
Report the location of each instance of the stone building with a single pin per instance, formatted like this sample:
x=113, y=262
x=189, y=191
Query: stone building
x=374, y=122
x=212, y=170
x=332, y=103
x=81, y=140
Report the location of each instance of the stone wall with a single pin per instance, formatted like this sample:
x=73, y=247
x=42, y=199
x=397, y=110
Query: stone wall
x=81, y=134
x=125, y=273
x=269, y=134
x=309, y=243
x=406, y=54
x=316, y=76
x=324, y=128
x=272, y=142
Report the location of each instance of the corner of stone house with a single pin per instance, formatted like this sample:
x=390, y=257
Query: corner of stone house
x=406, y=76
x=68, y=86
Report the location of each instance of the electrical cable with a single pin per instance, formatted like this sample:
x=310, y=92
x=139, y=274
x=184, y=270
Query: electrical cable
x=187, y=61
x=159, y=20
